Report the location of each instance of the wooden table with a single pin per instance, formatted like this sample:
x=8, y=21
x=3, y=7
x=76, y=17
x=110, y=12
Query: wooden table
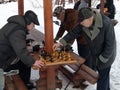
x=48, y=78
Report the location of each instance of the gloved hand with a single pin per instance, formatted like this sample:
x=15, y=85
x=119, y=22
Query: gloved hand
x=36, y=48
x=56, y=38
x=66, y=48
x=57, y=23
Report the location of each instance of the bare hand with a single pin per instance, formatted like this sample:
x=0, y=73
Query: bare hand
x=56, y=46
x=38, y=64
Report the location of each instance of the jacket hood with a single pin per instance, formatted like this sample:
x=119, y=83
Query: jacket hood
x=17, y=19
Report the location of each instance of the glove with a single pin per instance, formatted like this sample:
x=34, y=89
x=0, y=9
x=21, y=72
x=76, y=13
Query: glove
x=66, y=48
x=56, y=38
x=36, y=48
x=56, y=22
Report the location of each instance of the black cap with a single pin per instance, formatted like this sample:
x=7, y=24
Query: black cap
x=30, y=16
x=85, y=13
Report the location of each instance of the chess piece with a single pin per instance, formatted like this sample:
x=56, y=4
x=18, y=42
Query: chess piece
x=69, y=56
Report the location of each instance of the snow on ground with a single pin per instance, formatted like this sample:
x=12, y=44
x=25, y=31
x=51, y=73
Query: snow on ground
x=9, y=9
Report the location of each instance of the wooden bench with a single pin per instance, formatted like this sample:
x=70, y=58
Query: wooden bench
x=14, y=82
x=78, y=74
x=41, y=83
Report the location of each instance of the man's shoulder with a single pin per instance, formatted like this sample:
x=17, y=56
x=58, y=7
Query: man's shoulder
x=70, y=10
x=105, y=19
x=71, y=13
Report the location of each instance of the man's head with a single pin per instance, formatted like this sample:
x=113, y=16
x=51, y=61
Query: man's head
x=85, y=16
x=59, y=13
x=31, y=17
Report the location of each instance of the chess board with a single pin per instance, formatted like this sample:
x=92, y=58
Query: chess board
x=60, y=58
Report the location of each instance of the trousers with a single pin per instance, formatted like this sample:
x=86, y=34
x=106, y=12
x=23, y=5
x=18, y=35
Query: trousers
x=24, y=71
x=103, y=82
x=2, y=80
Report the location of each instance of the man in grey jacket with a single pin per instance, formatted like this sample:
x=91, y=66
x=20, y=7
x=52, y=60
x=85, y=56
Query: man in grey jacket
x=13, y=42
x=96, y=43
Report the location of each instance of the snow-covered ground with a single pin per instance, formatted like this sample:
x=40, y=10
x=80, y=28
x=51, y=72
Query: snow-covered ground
x=9, y=9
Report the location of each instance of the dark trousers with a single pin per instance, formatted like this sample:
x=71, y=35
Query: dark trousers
x=24, y=71
x=104, y=79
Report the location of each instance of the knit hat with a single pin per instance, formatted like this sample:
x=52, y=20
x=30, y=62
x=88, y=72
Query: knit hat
x=30, y=16
x=85, y=13
x=57, y=10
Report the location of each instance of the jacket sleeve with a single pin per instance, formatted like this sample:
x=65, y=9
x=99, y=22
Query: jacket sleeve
x=73, y=34
x=18, y=42
x=109, y=42
x=60, y=32
x=111, y=10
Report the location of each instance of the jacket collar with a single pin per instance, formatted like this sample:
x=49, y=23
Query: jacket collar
x=96, y=27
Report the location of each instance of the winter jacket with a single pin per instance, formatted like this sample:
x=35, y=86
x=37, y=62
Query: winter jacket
x=76, y=5
x=99, y=50
x=13, y=42
x=109, y=7
x=80, y=4
x=70, y=21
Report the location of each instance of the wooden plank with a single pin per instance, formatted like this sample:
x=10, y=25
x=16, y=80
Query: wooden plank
x=14, y=82
x=60, y=63
x=21, y=7
x=84, y=72
x=9, y=84
x=91, y=72
x=74, y=58
x=18, y=82
x=101, y=6
x=42, y=83
x=48, y=25
x=51, y=84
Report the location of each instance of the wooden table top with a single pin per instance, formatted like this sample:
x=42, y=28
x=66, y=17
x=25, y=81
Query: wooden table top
x=61, y=59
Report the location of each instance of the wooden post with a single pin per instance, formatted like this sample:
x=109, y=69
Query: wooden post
x=48, y=25
x=20, y=7
x=49, y=42
x=101, y=6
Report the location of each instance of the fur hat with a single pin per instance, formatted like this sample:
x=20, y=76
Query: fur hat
x=57, y=10
x=30, y=16
x=85, y=13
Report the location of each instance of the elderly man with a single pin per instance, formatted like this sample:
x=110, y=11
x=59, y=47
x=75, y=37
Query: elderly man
x=13, y=42
x=96, y=43
x=68, y=18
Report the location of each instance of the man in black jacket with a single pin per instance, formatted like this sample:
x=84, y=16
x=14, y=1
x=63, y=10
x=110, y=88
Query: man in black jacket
x=13, y=42
x=109, y=10
x=96, y=43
